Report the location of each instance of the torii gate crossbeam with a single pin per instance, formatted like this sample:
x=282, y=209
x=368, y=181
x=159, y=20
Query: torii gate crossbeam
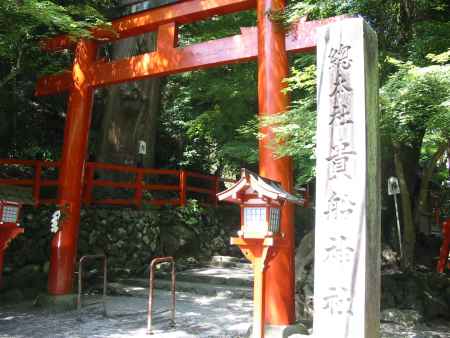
x=267, y=43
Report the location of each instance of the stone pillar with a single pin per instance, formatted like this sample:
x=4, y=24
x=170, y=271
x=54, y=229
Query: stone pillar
x=347, y=235
x=272, y=69
x=65, y=242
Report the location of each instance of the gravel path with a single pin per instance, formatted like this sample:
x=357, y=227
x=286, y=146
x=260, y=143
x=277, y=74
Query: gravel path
x=197, y=316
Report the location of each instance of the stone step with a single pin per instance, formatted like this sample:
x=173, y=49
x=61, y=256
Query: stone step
x=229, y=262
x=214, y=275
x=223, y=276
x=138, y=287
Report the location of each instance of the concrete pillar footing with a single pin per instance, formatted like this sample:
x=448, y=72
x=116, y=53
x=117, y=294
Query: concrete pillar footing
x=57, y=303
x=298, y=330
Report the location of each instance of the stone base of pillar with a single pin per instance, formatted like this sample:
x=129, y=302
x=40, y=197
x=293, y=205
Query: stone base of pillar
x=285, y=331
x=298, y=330
x=57, y=303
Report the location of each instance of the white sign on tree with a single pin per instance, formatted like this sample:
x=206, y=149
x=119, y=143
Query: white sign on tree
x=347, y=248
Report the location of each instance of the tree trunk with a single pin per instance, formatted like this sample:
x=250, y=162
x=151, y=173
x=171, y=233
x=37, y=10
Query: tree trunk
x=409, y=231
x=132, y=110
x=421, y=207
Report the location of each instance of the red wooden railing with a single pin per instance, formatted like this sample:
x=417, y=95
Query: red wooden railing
x=184, y=183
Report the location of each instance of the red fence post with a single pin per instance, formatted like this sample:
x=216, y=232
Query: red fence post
x=37, y=183
x=2, y=252
x=443, y=254
x=183, y=187
x=139, y=189
x=89, y=183
x=216, y=191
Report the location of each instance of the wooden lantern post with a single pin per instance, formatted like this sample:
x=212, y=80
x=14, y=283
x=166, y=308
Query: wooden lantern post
x=260, y=237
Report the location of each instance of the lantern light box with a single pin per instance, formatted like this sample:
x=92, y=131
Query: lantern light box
x=261, y=200
x=9, y=212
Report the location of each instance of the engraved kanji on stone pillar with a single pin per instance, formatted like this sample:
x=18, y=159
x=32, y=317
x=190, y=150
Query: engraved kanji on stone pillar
x=347, y=266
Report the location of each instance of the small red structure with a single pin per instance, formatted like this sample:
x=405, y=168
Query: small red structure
x=260, y=237
x=9, y=227
x=445, y=248
x=184, y=184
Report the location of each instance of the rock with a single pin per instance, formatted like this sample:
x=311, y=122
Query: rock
x=46, y=267
x=128, y=237
x=304, y=255
x=12, y=296
x=435, y=306
x=28, y=275
x=406, y=318
x=447, y=294
x=389, y=258
x=30, y=293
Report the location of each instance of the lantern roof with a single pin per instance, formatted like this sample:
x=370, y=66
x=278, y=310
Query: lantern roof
x=251, y=183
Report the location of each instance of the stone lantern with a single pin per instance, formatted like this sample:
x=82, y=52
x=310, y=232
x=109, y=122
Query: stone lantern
x=260, y=200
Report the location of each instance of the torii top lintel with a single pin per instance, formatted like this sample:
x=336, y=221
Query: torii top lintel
x=168, y=59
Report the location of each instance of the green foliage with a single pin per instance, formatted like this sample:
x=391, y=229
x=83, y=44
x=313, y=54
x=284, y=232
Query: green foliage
x=415, y=101
x=24, y=22
x=207, y=114
x=440, y=58
x=295, y=130
x=23, y=25
x=430, y=37
x=317, y=9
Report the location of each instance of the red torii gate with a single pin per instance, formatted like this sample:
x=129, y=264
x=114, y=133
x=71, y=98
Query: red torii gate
x=267, y=43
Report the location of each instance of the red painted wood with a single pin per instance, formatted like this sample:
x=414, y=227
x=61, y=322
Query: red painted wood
x=90, y=183
x=13, y=181
x=139, y=189
x=7, y=234
x=444, y=251
x=49, y=183
x=167, y=37
x=88, y=186
x=65, y=242
x=2, y=255
x=238, y=48
x=214, y=200
x=37, y=183
x=183, y=185
x=147, y=21
x=56, y=83
x=273, y=67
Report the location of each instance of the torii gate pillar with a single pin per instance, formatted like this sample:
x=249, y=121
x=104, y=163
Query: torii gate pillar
x=65, y=242
x=272, y=70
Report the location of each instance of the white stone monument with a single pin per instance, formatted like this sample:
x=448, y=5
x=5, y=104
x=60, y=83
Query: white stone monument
x=347, y=247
